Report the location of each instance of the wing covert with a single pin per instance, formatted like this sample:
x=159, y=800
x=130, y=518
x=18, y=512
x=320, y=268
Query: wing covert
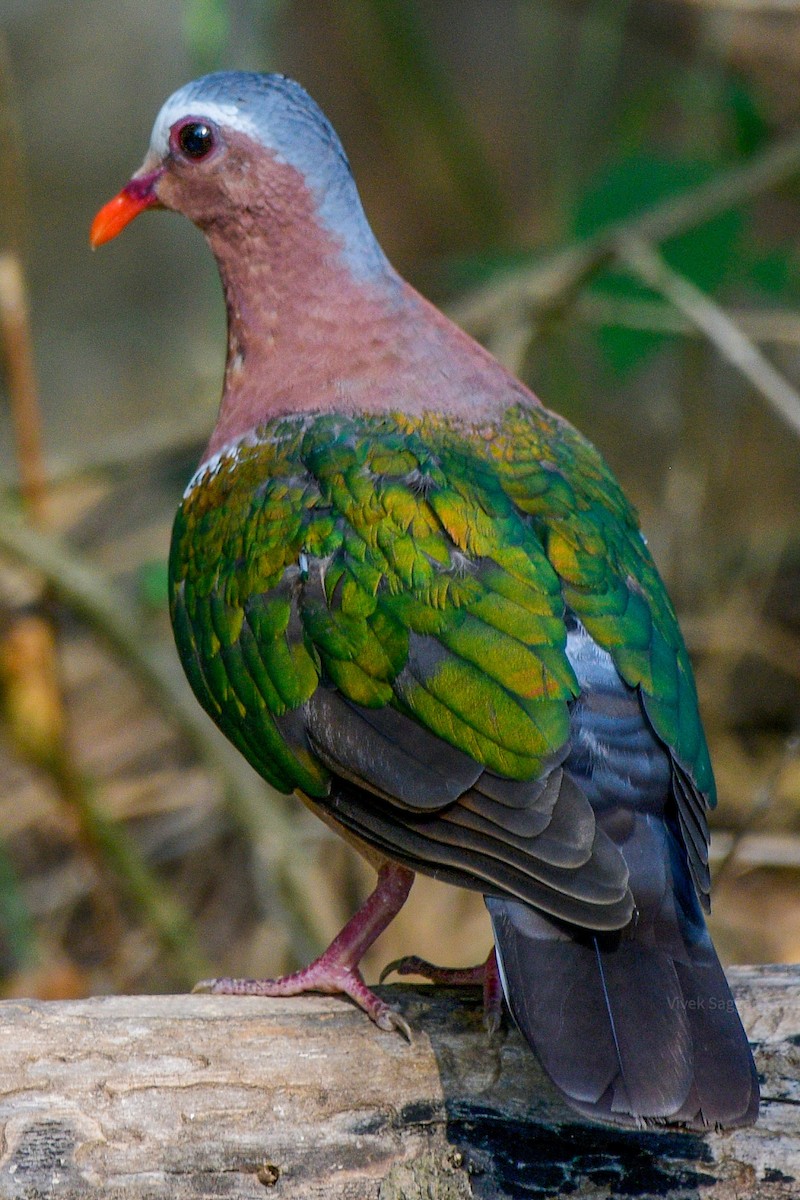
x=334, y=567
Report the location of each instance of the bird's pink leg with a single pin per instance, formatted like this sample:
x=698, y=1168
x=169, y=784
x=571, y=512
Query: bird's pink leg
x=336, y=969
x=485, y=973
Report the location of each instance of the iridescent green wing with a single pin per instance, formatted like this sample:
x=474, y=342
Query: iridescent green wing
x=384, y=559
x=592, y=539
x=233, y=572
x=375, y=600
x=341, y=566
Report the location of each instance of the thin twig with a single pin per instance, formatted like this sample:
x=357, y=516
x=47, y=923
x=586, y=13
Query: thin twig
x=756, y=7
x=549, y=283
x=731, y=636
x=128, y=449
x=734, y=345
x=13, y=176
x=777, y=326
x=774, y=849
x=753, y=852
x=260, y=813
x=115, y=851
x=17, y=352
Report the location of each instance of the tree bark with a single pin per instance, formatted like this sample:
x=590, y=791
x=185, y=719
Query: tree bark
x=205, y=1096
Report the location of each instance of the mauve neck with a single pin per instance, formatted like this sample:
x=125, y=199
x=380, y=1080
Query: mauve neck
x=306, y=334
x=298, y=322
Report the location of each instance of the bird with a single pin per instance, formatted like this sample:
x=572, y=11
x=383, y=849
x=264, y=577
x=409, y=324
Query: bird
x=419, y=600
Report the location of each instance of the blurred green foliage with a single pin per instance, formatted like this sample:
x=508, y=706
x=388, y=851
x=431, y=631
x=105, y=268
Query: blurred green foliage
x=206, y=28
x=18, y=948
x=706, y=254
x=152, y=584
x=418, y=105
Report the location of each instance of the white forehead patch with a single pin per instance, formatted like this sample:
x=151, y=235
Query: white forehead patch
x=275, y=112
x=185, y=104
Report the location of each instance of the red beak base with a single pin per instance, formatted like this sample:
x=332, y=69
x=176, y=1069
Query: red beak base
x=134, y=198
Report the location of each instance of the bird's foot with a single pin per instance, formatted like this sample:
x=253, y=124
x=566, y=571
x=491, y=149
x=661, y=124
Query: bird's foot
x=322, y=975
x=336, y=970
x=486, y=974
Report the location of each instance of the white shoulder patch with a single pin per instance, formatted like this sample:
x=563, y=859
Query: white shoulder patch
x=227, y=457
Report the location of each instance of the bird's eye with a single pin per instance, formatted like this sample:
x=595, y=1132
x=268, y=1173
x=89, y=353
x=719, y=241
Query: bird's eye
x=196, y=139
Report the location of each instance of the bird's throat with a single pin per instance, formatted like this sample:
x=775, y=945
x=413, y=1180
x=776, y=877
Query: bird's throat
x=308, y=331
x=303, y=333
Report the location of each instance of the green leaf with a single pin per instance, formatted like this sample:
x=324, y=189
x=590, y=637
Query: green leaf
x=16, y=923
x=206, y=30
x=706, y=254
x=750, y=128
x=774, y=273
x=152, y=584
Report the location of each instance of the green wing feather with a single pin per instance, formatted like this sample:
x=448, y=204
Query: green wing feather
x=592, y=538
x=419, y=564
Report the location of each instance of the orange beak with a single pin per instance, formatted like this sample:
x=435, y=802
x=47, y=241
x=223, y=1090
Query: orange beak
x=134, y=198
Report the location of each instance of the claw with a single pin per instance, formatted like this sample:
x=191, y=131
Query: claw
x=492, y=1019
x=328, y=977
x=400, y=965
x=391, y=1020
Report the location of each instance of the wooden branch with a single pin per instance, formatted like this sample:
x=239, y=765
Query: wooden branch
x=199, y=1096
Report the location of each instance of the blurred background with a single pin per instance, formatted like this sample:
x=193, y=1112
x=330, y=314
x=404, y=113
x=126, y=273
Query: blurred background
x=495, y=146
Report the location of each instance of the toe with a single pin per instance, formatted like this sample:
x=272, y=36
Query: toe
x=409, y=965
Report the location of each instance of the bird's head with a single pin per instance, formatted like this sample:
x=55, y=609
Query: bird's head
x=239, y=147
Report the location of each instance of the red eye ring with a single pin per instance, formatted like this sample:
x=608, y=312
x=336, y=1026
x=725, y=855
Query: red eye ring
x=194, y=139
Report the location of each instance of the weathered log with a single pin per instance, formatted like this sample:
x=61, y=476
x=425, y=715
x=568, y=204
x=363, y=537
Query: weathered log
x=201, y=1096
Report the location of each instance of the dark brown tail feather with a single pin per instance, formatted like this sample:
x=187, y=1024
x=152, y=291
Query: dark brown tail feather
x=629, y=1032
